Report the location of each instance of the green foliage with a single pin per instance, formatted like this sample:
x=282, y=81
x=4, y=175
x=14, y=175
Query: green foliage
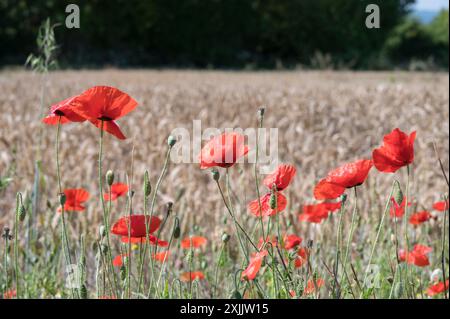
x=46, y=43
x=412, y=41
x=215, y=33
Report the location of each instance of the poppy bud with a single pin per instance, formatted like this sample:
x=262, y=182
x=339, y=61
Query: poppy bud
x=102, y=231
x=203, y=264
x=83, y=291
x=22, y=213
x=171, y=141
x=62, y=199
x=147, y=185
x=109, y=177
x=225, y=237
x=273, y=200
x=236, y=295
x=397, y=192
x=215, y=174
x=261, y=112
x=343, y=198
x=176, y=228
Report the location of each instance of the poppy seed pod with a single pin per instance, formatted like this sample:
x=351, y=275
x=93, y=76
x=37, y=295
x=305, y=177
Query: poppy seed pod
x=171, y=140
x=225, y=237
x=215, y=174
x=22, y=213
x=147, y=185
x=261, y=112
x=397, y=193
x=109, y=177
x=62, y=199
x=176, y=228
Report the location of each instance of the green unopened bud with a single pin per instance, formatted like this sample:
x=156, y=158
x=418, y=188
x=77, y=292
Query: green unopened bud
x=225, y=237
x=176, y=228
x=215, y=174
x=273, y=200
x=171, y=140
x=22, y=213
x=236, y=295
x=147, y=185
x=109, y=177
x=83, y=292
x=261, y=112
x=203, y=264
x=62, y=199
x=397, y=193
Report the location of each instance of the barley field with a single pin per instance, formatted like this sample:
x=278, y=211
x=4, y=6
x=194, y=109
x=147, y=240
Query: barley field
x=324, y=120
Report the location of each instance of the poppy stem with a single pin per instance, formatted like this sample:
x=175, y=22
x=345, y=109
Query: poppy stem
x=16, y=244
x=108, y=254
x=6, y=237
x=256, y=174
x=163, y=266
x=64, y=239
x=152, y=206
x=352, y=228
x=405, y=231
x=386, y=209
x=222, y=247
x=336, y=289
x=236, y=223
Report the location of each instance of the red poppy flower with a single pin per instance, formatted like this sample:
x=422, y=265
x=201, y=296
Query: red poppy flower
x=440, y=206
x=223, y=150
x=192, y=275
x=75, y=199
x=419, y=218
x=397, y=151
x=118, y=260
x=281, y=177
x=346, y=176
x=418, y=256
x=63, y=110
x=302, y=258
x=161, y=256
x=193, y=241
x=272, y=240
x=255, y=264
x=316, y=213
x=141, y=240
x=117, y=190
x=137, y=225
x=9, y=294
x=107, y=104
x=253, y=206
x=437, y=288
x=311, y=286
x=291, y=241
x=397, y=210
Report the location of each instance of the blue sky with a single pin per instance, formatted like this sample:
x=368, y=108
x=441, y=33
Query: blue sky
x=430, y=5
